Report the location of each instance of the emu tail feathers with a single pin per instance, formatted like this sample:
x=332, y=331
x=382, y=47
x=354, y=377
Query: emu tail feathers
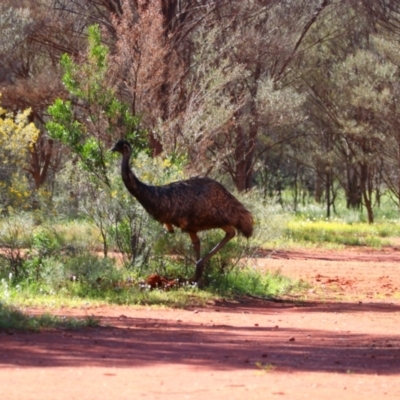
x=245, y=224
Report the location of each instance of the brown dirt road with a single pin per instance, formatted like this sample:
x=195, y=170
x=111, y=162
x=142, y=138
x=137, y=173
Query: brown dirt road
x=343, y=342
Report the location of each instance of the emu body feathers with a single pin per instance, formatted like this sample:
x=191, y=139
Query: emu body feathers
x=193, y=205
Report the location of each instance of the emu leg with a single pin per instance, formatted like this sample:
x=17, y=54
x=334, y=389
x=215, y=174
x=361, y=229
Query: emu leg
x=230, y=233
x=196, y=244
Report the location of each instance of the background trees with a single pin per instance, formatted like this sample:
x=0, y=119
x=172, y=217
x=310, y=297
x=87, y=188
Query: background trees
x=276, y=94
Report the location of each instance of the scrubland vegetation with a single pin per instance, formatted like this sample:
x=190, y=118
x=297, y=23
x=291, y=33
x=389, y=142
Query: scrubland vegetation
x=293, y=106
x=48, y=260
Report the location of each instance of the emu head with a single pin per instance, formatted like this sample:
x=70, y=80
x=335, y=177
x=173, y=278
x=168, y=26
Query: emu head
x=122, y=146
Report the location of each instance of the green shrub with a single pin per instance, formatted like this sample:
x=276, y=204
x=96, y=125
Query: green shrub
x=249, y=281
x=12, y=318
x=91, y=270
x=15, y=238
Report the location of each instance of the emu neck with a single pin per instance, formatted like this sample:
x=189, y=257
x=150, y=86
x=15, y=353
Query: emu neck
x=130, y=180
x=138, y=189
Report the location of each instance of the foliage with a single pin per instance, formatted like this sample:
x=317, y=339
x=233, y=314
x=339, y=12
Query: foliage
x=12, y=24
x=14, y=241
x=338, y=232
x=60, y=266
x=95, y=118
x=284, y=95
x=273, y=101
x=250, y=281
x=57, y=258
x=290, y=101
x=209, y=107
x=17, y=139
x=12, y=318
x=88, y=125
x=77, y=293
x=16, y=193
x=139, y=64
x=118, y=219
x=17, y=136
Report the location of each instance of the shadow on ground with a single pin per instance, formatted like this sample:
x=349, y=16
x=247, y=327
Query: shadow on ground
x=130, y=341
x=259, y=305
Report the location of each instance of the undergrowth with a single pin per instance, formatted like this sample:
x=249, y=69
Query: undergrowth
x=341, y=233
x=13, y=318
x=251, y=282
x=132, y=291
x=50, y=263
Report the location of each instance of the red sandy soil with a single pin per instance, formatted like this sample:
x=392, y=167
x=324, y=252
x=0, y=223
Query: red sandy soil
x=341, y=340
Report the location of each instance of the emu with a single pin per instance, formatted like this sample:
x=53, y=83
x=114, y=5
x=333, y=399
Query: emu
x=193, y=205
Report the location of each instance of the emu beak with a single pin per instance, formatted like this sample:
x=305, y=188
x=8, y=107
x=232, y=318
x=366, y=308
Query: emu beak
x=113, y=148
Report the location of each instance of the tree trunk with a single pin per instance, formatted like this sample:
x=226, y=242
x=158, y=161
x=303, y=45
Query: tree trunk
x=318, y=189
x=155, y=145
x=328, y=194
x=40, y=162
x=245, y=144
x=353, y=193
x=366, y=191
x=244, y=155
x=296, y=189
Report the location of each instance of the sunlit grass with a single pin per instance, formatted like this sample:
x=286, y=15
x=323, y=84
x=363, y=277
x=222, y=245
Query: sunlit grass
x=65, y=268
x=300, y=233
x=239, y=282
x=13, y=318
x=21, y=228
x=86, y=295
x=254, y=282
x=78, y=233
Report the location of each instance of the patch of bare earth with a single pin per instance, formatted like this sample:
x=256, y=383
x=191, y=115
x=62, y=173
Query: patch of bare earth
x=341, y=341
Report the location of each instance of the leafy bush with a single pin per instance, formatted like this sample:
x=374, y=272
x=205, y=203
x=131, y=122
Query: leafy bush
x=12, y=318
x=91, y=270
x=15, y=238
x=250, y=281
